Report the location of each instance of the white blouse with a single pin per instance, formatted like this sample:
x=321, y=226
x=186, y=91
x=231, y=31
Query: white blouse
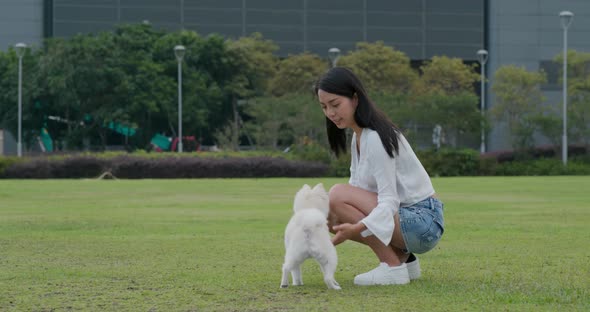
x=400, y=181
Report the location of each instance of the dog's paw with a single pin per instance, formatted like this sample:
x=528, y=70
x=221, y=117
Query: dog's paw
x=334, y=285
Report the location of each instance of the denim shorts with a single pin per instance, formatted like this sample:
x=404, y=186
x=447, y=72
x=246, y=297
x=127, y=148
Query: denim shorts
x=422, y=225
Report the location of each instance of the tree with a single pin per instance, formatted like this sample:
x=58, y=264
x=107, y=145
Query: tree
x=444, y=95
x=202, y=95
x=518, y=102
x=147, y=93
x=254, y=64
x=445, y=75
x=380, y=67
x=290, y=111
x=578, y=109
x=9, y=94
x=281, y=121
x=297, y=74
x=457, y=114
x=82, y=78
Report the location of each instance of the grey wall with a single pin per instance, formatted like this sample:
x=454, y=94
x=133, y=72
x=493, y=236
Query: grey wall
x=7, y=143
x=527, y=33
x=421, y=28
x=21, y=21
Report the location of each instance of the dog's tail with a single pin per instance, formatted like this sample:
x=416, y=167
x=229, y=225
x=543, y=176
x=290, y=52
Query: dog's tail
x=311, y=219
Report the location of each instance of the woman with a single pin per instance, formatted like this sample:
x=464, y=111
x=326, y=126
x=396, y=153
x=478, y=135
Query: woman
x=389, y=203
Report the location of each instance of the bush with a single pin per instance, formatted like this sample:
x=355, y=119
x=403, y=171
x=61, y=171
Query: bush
x=309, y=150
x=450, y=162
x=538, y=152
x=134, y=167
x=184, y=167
x=340, y=167
x=542, y=167
x=6, y=162
x=58, y=168
x=310, y=160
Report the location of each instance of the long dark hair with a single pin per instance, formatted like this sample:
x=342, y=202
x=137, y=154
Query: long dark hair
x=343, y=82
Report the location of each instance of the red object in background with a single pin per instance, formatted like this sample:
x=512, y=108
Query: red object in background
x=189, y=144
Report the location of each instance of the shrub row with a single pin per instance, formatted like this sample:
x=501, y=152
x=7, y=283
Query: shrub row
x=445, y=162
x=539, y=152
x=468, y=162
x=134, y=167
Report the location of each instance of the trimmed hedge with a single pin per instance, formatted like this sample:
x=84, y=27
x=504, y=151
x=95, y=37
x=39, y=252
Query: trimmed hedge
x=468, y=162
x=134, y=167
x=448, y=162
x=445, y=162
x=7, y=161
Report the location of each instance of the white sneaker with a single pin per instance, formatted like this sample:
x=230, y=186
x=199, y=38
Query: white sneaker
x=384, y=275
x=414, y=269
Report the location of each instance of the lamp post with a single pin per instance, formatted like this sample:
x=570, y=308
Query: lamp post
x=20, y=51
x=179, y=52
x=482, y=55
x=566, y=18
x=334, y=54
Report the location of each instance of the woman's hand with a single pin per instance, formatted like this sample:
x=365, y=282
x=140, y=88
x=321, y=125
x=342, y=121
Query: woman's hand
x=346, y=231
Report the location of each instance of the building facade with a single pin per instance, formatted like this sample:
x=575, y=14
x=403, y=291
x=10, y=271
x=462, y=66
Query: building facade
x=21, y=21
x=421, y=29
x=528, y=33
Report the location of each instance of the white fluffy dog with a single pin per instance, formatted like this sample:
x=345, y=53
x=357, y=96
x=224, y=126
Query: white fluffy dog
x=307, y=236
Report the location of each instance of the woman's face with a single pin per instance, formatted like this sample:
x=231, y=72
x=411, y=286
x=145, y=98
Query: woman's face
x=339, y=109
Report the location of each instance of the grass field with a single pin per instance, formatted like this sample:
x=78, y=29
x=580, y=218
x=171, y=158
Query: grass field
x=511, y=244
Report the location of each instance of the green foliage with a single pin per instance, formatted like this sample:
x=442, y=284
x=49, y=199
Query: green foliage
x=542, y=167
x=518, y=102
x=129, y=76
x=381, y=68
x=7, y=161
x=254, y=64
x=444, y=75
x=340, y=167
x=9, y=92
x=550, y=126
x=307, y=149
x=450, y=162
x=395, y=105
x=458, y=114
x=578, y=109
x=297, y=74
x=171, y=167
x=280, y=121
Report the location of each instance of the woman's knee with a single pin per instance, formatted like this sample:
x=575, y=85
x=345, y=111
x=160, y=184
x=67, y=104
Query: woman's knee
x=336, y=195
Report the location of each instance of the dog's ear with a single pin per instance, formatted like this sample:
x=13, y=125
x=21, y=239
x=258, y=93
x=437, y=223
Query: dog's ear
x=319, y=187
x=306, y=187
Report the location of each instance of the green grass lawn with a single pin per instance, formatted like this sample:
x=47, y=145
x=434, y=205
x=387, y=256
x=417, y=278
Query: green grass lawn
x=519, y=243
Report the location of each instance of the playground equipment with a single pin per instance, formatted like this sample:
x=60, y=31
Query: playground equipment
x=162, y=143
x=45, y=141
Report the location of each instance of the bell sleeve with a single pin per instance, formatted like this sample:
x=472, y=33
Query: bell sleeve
x=383, y=168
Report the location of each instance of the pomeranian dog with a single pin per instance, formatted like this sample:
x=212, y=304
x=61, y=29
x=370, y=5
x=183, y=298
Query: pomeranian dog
x=307, y=236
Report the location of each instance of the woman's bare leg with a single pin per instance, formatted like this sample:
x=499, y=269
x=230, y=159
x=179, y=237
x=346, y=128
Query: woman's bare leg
x=349, y=204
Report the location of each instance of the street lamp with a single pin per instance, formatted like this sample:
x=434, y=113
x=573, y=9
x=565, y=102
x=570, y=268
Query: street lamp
x=20, y=51
x=482, y=55
x=566, y=18
x=179, y=52
x=334, y=54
